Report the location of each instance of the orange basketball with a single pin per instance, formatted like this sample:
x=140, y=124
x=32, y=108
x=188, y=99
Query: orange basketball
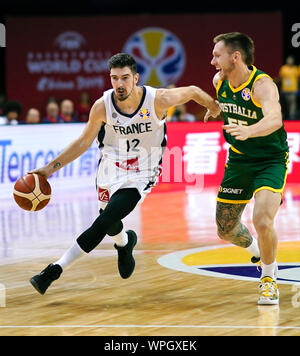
x=32, y=192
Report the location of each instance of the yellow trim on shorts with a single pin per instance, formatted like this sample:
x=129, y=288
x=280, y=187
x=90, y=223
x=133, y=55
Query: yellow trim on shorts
x=273, y=189
x=228, y=201
x=236, y=151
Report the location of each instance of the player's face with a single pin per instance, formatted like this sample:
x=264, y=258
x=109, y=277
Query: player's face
x=222, y=60
x=123, y=82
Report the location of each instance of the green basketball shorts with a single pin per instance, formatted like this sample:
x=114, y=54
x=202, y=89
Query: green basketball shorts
x=243, y=178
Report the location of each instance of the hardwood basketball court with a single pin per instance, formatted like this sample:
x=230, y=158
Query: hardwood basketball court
x=193, y=298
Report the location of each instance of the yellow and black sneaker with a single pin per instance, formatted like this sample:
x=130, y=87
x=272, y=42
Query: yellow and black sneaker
x=255, y=259
x=268, y=292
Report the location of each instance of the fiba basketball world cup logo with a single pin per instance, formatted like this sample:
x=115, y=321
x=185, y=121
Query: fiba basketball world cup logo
x=159, y=54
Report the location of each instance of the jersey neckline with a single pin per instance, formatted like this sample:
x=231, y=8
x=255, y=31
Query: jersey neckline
x=242, y=86
x=136, y=111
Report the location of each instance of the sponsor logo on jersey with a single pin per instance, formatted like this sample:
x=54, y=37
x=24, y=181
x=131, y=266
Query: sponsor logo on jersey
x=246, y=95
x=129, y=165
x=103, y=195
x=230, y=190
x=233, y=262
x=144, y=114
x=159, y=54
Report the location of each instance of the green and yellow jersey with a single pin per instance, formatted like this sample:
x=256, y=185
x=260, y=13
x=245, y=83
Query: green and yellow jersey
x=239, y=107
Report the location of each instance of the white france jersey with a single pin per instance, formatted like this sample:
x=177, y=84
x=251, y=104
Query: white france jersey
x=133, y=142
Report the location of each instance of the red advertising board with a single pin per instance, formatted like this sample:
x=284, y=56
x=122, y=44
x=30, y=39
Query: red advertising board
x=196, y=154
x=62, y=57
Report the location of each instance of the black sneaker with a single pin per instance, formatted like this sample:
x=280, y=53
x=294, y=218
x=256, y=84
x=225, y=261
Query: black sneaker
x=255, y=259
x=42, y=281
x=126, y=261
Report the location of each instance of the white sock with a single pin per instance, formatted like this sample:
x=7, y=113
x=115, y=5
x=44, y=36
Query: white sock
x=269, y=270
x=70, y=256
x=121, y=239
x=253, y=248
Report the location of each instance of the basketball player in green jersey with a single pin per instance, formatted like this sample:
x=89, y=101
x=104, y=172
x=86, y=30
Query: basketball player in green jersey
x=258, y=155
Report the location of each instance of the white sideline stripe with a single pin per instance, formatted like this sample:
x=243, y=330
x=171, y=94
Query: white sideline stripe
x=152, y=326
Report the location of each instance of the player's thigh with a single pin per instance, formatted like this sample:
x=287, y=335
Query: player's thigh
x=269, y=185
x=237, y=184
x=267, y=203
x=122, y=203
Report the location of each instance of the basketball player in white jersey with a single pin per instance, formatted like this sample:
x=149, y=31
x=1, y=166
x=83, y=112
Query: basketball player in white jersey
x=129, y=123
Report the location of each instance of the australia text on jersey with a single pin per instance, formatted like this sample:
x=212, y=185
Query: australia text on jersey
x=239, y=110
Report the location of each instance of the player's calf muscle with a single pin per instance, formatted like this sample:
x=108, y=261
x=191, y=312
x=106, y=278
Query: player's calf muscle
x=229, y=226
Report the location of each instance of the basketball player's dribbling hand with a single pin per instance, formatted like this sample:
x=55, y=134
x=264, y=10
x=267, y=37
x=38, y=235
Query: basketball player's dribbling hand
x=239, y=132
x=214, y=112
x=41, y=171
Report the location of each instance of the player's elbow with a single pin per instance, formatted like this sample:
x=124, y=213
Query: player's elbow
x=195, y=92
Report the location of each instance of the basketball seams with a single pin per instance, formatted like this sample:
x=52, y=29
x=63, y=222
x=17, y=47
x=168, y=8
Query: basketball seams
x=37, y=187
x=30, y=190
x=35, y=196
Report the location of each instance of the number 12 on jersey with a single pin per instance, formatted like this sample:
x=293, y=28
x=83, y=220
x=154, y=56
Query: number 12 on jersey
x=132, y=145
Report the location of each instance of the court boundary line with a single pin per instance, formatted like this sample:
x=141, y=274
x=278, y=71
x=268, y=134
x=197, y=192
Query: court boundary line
x=152, y=326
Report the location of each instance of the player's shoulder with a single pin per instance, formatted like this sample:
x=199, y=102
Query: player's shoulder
x=216, y=79
x=263, y=79
x=264, y=87
x=264, y=84
x=161, y=95
x=98, y=107
x=151, y=90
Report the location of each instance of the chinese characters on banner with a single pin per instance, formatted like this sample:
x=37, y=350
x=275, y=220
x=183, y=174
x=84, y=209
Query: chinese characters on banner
x=204, y=152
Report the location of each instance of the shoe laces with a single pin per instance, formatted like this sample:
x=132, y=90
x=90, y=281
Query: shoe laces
x=268, y=288
x=258, y=266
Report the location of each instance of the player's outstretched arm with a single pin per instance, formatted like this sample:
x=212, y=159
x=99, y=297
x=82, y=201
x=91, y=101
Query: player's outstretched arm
x=166, y=98
x=80, y=145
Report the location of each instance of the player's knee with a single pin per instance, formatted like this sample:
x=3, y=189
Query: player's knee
x=263, y=224
x=224, y=235
x=115, y=228
x=225, y=229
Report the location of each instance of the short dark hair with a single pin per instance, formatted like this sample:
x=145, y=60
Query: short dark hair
x=12, y=106
x=237, y=41
x=121, y=60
